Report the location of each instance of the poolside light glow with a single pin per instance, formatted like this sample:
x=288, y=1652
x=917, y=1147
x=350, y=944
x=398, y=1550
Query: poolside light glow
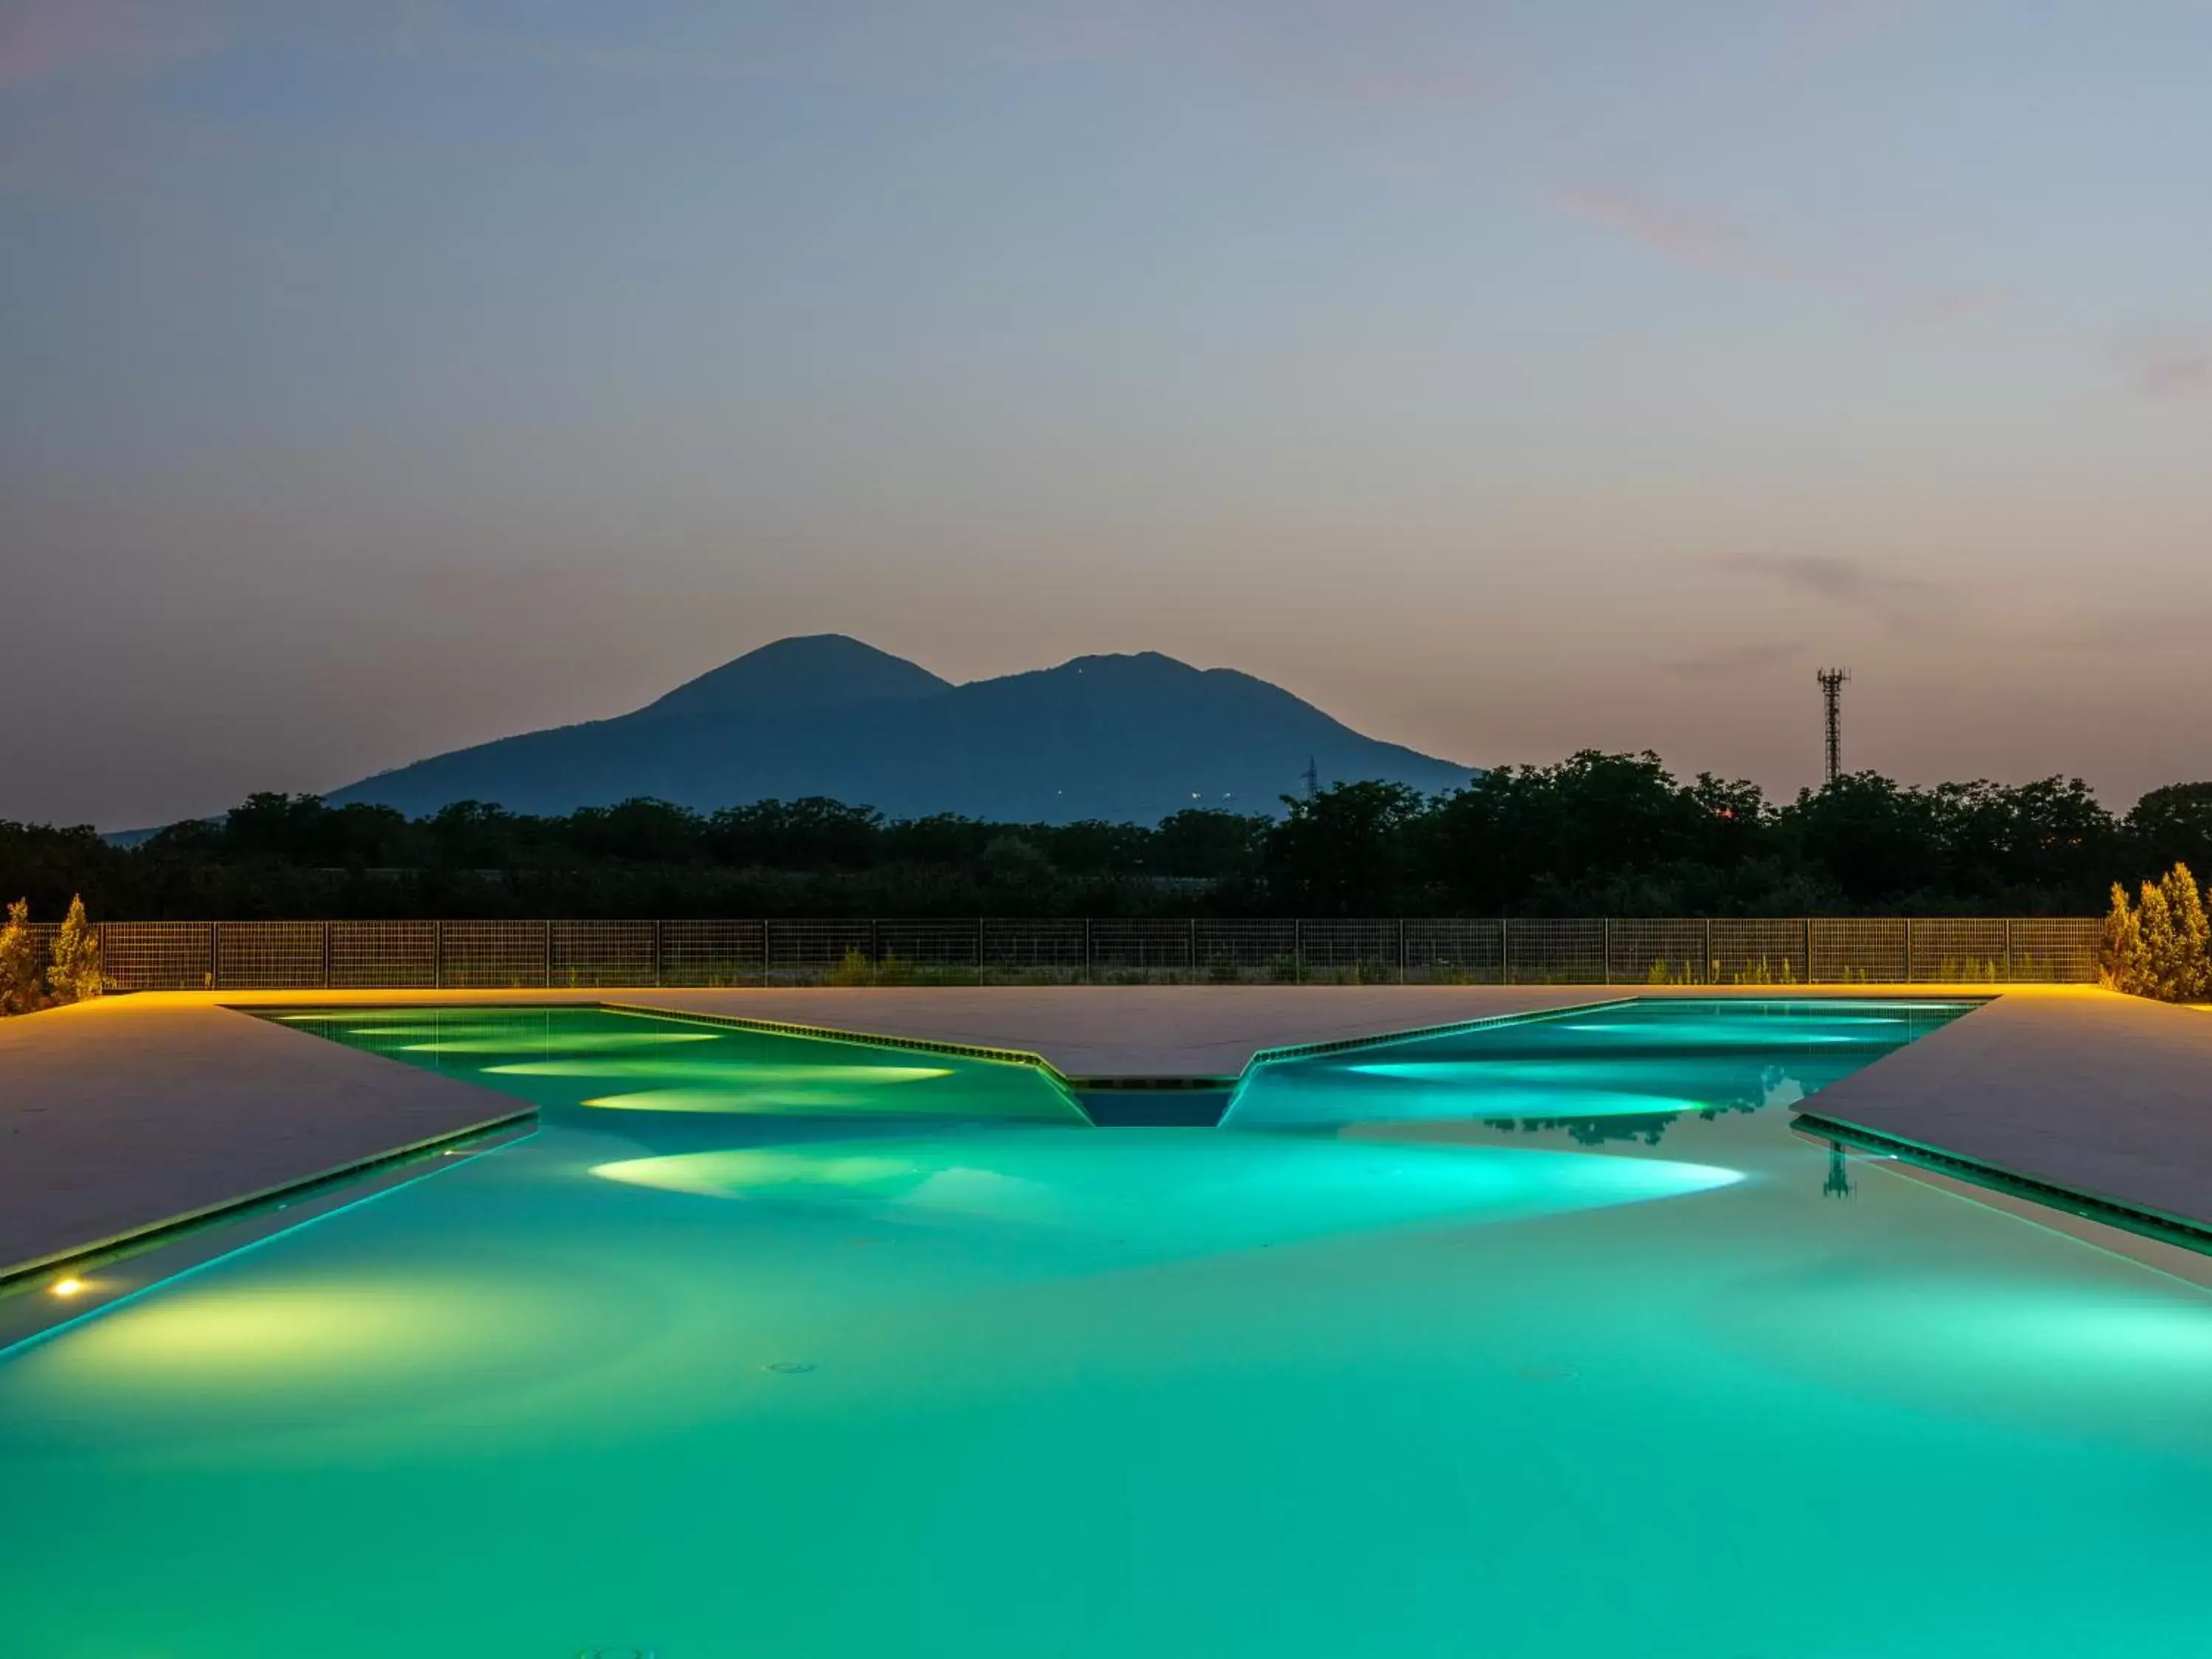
x=66, y=1288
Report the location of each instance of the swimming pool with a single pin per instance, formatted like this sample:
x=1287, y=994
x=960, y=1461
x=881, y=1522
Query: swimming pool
x=1523, y=1340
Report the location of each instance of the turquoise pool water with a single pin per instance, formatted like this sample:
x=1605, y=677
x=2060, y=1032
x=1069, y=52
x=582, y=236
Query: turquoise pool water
x=1628, y=1071
x=1419, y=1361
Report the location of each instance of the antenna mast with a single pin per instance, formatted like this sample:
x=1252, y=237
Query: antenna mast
x=1312, y=776
x=1831, y=697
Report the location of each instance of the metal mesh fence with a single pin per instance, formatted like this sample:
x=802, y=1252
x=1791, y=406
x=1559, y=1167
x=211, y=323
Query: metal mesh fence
x=1646, y=951
x=271, y=955
x=1857, y=949
x=1758, y=951
x=1555, y=952
x=1037, y=952
x=495, y=955
x=1123, y=951
x=1230, y=952
x=713, y=952
x=383, y=955
x=1453, y=951
x=43, y=935
x=603, y=953
x=157, y=956
x=2060, y=950
x=1351, y=952
x=801, y=950
x=944, y=945
x=1956, y=950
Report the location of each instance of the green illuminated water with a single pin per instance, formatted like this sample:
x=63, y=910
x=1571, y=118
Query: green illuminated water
x=1450, y=1368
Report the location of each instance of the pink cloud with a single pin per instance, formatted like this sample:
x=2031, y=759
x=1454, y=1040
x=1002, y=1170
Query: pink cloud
x=1362, y=57
x=1686, y=237
x=1707, y=244
x=2171, y=368
x=1368, y=58
x=1825, y=28
x=40, y=39
x=76, y=118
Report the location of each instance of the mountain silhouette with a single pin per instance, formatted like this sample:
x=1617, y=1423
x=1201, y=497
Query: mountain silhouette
x=1130, y=738
x=810, y=671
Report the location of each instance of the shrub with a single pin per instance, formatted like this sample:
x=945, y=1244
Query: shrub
x=2122, y=964
x=2161, y=946
x=74, y=974
x=854, y=969
x=22, y=982
x=2187, y=973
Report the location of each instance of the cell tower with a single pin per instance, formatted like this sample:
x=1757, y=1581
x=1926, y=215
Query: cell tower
x=1312, y=776
x=1831, y=697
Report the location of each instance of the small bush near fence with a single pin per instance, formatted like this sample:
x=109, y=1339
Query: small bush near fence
x=42, y=963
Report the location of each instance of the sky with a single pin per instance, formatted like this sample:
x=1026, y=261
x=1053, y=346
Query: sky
x=1507, y=379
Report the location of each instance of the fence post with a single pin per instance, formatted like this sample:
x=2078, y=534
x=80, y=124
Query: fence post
x=2008, y=921
x=1504, y=953
x=660, y=972
x=438, y=955
x=1710, y=971
x=1608, y=950
x=326, y=956
x=1908, y=950
x=1401, y=950
x=1086, y=950
x=1190, y=948
x=545, y=953
x=1297, y=951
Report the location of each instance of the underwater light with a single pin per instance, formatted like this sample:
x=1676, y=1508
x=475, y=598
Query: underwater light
x=69, y=1287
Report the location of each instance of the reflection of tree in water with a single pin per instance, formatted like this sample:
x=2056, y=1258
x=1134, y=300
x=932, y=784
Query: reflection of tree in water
x=1776, y=1086
x=1647, y=1126
x=1595, y=1131
x=1838, y=1183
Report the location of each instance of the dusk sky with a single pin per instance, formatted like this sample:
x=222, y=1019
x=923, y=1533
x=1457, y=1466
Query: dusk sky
x=1506, y=378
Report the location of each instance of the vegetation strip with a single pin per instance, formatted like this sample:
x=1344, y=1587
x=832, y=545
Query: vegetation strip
x=1593, y=833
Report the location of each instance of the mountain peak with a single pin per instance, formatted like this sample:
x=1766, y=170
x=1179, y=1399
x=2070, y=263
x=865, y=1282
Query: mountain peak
x=805, y=671
x=1130, y=664
x=1128, y=738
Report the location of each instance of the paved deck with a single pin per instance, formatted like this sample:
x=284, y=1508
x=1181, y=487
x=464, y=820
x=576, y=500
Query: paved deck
x=125, y=1114
x=2105, y=1095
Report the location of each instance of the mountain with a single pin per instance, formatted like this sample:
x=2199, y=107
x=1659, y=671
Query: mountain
x=1130, y=738
x=813, y=671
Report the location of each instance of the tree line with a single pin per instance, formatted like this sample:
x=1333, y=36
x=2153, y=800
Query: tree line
x=1596, y=834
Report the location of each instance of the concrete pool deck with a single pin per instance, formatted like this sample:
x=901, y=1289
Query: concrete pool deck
x=119, y=1117
x=2107, y=1097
